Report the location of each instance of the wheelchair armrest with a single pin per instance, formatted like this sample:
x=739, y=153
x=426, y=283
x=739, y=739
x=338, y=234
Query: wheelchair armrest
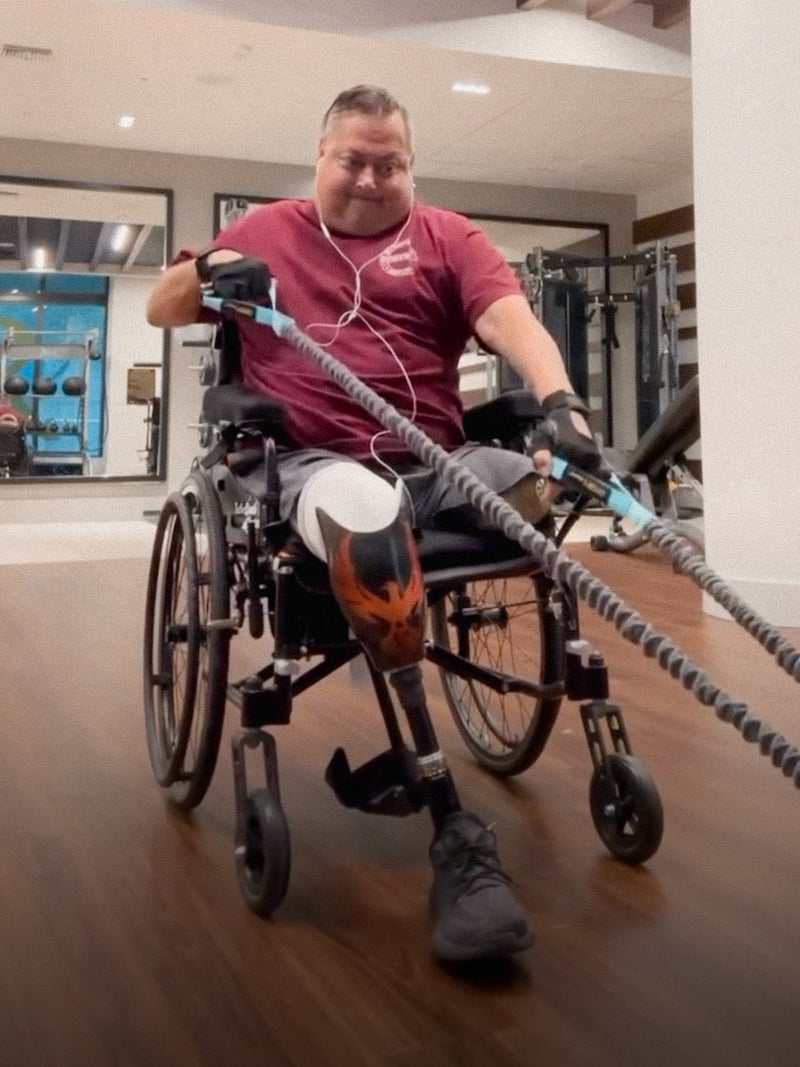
x=239, y=405
x=502, y=418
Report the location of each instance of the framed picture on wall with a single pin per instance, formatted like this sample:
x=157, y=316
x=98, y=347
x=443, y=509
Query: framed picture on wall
x=231, y=206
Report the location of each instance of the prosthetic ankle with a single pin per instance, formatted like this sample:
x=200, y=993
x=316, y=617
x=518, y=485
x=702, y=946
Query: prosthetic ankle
x=352, y=519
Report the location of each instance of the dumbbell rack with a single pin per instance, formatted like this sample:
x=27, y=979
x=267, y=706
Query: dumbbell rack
x=34, y=347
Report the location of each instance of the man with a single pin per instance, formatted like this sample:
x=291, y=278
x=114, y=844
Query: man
x=394, y=288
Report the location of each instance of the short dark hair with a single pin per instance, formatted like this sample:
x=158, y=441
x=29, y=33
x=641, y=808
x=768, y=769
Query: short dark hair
x=368, y=100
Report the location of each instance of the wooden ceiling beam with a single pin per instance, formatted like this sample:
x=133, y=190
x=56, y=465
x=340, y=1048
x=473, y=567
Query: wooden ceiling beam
x=668, y=13
x=138, y=244
x=22, y=244
x=600, y=9
x=61, y=248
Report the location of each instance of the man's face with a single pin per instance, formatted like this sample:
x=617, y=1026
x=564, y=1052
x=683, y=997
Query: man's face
x=364, y=183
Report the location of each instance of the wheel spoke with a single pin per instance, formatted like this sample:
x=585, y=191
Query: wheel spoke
x=499, y=625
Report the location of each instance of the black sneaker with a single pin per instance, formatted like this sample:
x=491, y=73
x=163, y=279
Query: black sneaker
x=474, y=911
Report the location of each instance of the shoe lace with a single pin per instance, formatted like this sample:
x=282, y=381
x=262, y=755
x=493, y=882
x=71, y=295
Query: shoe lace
x=474, y=864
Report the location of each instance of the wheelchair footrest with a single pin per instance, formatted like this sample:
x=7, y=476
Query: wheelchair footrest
x=388, y=784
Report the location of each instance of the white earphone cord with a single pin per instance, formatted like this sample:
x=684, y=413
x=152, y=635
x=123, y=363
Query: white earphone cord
x=356, y=313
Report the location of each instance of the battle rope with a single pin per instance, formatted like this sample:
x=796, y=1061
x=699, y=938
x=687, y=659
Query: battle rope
x=556, y=564
x=686, y=559
x=692, y=564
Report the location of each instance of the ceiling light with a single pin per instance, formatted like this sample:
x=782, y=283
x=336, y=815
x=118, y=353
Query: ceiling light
x=126, y=121
x=119, y=239
x=478, y=88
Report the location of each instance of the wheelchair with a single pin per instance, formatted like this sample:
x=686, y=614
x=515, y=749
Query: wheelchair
x=503, y=637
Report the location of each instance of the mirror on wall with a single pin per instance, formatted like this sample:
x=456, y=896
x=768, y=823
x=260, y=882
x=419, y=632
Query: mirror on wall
x=83, y=378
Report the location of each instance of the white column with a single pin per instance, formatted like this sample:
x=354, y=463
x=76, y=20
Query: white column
x=746, y=103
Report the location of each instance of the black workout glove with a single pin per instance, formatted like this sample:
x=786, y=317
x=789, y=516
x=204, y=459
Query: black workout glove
x=241, y=279
x=564, y=438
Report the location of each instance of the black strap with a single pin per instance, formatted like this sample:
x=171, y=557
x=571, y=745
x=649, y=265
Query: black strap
x=562, y=399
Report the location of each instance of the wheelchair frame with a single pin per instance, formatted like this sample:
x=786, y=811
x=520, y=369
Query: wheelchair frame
x=504, y=637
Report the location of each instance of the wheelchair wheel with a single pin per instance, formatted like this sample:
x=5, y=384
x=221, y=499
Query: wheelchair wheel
x=504, y=625
x=263, y=852
x=626, y=808
x=185, y=659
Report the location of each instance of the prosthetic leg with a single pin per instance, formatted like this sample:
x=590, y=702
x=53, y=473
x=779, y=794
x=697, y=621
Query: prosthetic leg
x=377, y=580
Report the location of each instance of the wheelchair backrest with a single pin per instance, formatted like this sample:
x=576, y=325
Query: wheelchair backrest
x=230, y=402
x=228, y=352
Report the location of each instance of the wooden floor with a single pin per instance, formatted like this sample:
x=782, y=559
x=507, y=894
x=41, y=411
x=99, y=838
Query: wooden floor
x=124, y=940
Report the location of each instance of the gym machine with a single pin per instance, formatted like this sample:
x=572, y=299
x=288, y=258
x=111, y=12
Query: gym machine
x=56, y=430
x=572, y=296
x=564, y=292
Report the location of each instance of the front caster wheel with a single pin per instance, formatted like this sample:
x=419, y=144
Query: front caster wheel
x=626, y=808
x=263, y=853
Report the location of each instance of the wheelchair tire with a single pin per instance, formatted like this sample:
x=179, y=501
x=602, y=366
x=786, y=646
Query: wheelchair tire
x=263, y=853
x=185, y=660
x=504, y=625
x=626, y=808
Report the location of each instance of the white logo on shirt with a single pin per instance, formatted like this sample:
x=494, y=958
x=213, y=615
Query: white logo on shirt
x=399, y=259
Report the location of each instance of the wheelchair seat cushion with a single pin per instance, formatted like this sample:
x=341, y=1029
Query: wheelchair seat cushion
x=447, y=549
x=238, y=404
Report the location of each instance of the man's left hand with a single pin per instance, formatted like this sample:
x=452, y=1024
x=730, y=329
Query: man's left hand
x=567, y=433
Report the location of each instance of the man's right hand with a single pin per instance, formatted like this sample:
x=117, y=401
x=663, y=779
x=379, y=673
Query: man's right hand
x=233, y=276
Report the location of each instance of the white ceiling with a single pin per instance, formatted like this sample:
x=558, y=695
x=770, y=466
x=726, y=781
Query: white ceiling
x=574, y=103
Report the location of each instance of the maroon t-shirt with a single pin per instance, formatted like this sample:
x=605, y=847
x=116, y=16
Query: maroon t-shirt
x=419, y=299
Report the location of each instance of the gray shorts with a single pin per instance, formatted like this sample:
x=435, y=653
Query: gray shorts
x=431, y=501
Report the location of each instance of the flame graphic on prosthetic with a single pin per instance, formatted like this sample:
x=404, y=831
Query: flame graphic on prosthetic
x=377, y=580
